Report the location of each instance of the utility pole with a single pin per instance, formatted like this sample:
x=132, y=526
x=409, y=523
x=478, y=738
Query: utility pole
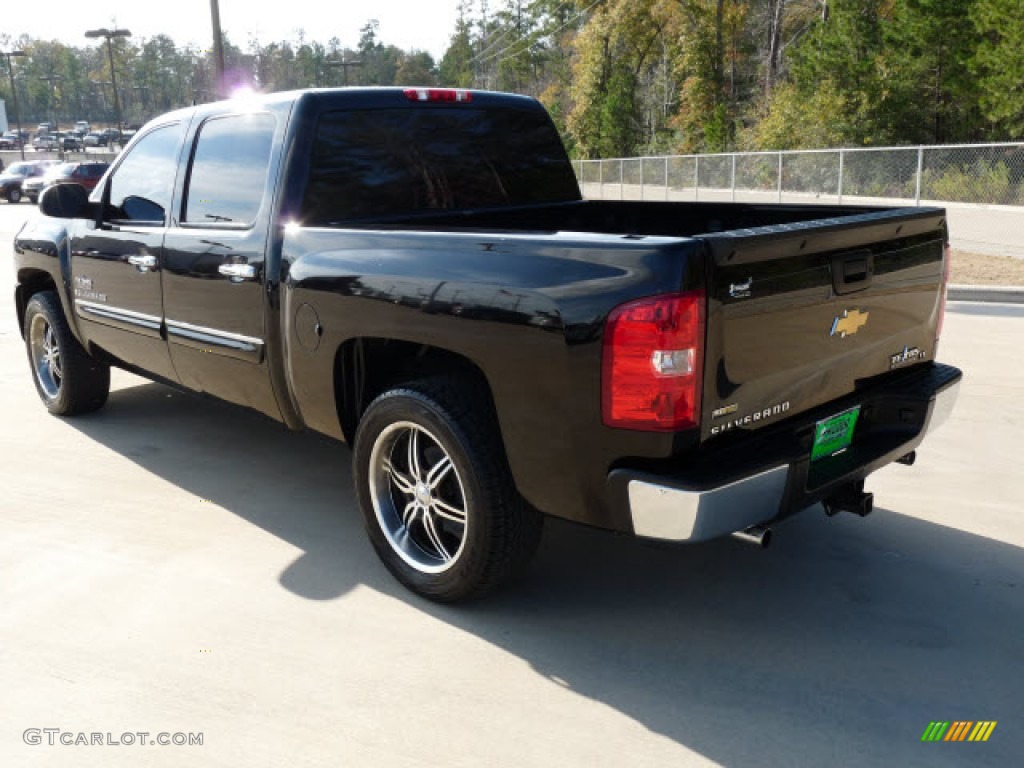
x=344, y=63
x=108, y=34
x=14, y=96
x=218, y=50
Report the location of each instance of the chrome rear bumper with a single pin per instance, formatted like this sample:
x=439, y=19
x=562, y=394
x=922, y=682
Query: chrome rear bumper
x=666, y=509
x=674, y=514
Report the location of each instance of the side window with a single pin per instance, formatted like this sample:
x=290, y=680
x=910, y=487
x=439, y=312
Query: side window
x=141, y=187
x=229, y=170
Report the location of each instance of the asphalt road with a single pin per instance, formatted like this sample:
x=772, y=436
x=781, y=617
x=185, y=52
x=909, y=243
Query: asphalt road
x=172, y=564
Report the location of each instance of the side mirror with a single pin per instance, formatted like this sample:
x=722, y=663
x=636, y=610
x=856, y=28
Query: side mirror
x=65, y=201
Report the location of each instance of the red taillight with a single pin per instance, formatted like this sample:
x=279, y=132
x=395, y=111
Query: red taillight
x=438, y=94
x=944, y=290
x=653, y=359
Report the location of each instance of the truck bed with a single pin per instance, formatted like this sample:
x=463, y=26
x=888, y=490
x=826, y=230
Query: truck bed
x=805, y=303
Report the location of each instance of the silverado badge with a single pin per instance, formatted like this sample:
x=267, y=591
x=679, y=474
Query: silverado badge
x=848, y=323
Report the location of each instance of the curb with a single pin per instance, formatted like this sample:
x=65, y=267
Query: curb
x=1008, y=294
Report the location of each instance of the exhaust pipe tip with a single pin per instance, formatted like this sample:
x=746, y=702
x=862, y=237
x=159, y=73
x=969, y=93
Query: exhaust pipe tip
x=758, y=535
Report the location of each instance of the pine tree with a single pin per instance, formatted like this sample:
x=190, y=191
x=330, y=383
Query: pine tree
x=999, y=64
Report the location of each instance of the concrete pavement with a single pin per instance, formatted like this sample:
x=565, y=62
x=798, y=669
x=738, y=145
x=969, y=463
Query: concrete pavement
x=173, y=564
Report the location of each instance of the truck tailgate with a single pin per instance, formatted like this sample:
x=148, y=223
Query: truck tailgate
x=802, y=314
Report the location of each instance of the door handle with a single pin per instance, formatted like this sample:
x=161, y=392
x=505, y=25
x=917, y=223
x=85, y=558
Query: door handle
x=143, y=263
x=238, y=272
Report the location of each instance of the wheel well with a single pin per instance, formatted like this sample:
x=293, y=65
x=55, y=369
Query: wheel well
x=30, y=282
x=366, y=367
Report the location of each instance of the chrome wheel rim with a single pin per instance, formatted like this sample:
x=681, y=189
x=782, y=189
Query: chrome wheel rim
x=46, y=360
x=418, y=497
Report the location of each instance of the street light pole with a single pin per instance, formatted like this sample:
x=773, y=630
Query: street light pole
x=108, y=34
x=14, y=97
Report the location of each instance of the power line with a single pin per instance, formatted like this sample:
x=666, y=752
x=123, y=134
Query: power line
x=499, y=38
x=531, y=41
x=491, y=47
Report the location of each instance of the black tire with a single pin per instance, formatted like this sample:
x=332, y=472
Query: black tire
x=501, y=531
x=34, y=199
x=79, y=383
x=13, y=195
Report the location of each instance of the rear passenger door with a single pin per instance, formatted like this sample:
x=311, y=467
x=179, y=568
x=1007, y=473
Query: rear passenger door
x=214, y=279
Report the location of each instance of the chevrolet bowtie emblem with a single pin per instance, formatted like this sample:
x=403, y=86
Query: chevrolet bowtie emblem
x=849, y=323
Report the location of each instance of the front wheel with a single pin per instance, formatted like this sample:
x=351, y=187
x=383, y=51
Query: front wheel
x=13, y=195
x=436, y=492
x=68, y=379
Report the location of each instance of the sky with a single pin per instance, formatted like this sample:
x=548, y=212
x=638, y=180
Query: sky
x=422, y=24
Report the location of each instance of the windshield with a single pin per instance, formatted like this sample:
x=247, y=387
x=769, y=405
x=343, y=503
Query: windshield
x=20, y=169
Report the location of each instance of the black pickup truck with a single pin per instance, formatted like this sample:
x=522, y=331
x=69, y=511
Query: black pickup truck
x=413, y=271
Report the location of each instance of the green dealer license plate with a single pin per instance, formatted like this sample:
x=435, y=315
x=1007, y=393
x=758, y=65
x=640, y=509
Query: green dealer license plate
x=834, y=434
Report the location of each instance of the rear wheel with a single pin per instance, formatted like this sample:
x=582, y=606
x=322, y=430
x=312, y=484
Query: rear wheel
x=13, y=195
x=436, y=492
x=68, y=379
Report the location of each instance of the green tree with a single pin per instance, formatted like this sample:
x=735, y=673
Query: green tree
x=796, y=120
x=416, y=68
x=456, y=69
x=999, y=64
x=927, y=92
x=379, y=62
x=843, y=51
x=616, y=50
x=714, y=62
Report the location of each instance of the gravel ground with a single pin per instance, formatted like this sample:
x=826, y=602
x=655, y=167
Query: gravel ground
x=983, y=269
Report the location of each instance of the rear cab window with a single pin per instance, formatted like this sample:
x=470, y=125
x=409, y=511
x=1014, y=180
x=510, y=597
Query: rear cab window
x=371, y=163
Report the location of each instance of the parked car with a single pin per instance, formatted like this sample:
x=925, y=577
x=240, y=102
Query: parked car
x=46, y=141
x=13, y=178
x=415, y=272
x=85, y=175
x=95, y=139
x=11, y=140
x=69, y=141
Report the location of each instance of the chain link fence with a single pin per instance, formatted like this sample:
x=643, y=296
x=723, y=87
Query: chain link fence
x=982, y=185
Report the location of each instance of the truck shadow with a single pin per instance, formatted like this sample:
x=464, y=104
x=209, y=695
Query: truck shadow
x=837, y=646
